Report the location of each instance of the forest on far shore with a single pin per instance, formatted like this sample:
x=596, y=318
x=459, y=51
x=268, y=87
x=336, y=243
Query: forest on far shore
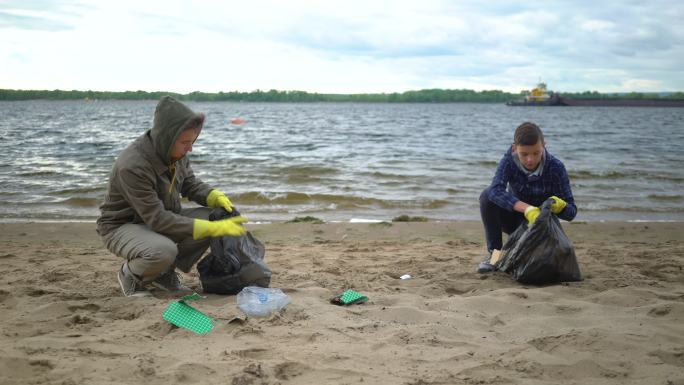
x=420, y=96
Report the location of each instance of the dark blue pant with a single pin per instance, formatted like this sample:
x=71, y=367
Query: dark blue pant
x=497, y=220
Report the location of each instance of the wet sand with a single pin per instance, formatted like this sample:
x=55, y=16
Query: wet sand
x=64, y=321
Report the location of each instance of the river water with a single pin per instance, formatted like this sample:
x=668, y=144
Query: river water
x=342, y=161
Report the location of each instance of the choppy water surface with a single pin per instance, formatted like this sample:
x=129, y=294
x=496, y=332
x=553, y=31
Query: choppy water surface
x=338, y=161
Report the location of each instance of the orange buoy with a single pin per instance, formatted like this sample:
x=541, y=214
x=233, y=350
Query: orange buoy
x=237, y=121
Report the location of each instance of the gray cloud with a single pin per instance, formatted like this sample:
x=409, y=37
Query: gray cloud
x=503, y=43
x=573, y=46
x=12, y=14
x=8, y=20
x=615, y=39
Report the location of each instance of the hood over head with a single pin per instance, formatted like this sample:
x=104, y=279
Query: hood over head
x=171, y=118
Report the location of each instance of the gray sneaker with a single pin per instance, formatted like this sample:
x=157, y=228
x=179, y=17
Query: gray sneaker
x=131, y=286
x=486, y=266
x=171, y=284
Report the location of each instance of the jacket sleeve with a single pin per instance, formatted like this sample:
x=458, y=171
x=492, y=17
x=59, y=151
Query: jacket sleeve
x=562, y=190
x=193, y=188
x=138, y=189
x=497, y=190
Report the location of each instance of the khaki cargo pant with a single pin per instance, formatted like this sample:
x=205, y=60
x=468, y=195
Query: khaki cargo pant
x=150, y=254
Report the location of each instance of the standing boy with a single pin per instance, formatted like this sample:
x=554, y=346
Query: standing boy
x=527, y=175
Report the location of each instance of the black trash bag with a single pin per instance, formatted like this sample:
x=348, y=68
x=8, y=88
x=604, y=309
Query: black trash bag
x=234, y=262
x=540, y=254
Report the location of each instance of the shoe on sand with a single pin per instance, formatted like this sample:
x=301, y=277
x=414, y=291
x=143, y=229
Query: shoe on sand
x=489, y=263
x=171, y=284
x=485, y=267
x=130, y=285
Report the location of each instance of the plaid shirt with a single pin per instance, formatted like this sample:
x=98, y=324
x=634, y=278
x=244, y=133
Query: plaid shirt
x=533, y=190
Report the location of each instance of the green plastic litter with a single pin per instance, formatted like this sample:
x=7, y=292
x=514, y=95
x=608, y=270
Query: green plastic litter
x=349, y=297
x=185, y=316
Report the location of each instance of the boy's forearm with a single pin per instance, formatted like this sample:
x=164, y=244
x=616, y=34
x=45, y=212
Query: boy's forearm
x=569, y=212
x=501, y=197
x=520, y=206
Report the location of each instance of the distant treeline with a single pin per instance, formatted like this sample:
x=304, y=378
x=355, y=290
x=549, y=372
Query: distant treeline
x=628, y=95
x=421, y=96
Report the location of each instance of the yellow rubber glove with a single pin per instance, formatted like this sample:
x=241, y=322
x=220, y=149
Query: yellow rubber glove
x=531, y=214
x=558, y=205
x=217, y=199
x=231, y=226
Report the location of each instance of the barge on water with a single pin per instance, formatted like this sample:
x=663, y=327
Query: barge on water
x=539, y=96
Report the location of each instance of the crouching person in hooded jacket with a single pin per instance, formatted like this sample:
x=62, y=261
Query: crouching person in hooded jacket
x=141, y=218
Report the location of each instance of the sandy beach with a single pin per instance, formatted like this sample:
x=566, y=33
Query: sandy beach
x=64, y=321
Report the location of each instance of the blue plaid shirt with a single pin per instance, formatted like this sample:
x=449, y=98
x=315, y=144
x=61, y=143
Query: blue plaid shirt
x=533, y=190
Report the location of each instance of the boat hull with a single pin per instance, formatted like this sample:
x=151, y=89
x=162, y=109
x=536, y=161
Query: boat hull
x=599, y=103
x=622, y=102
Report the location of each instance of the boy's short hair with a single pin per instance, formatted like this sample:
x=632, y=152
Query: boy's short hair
x=527, y=134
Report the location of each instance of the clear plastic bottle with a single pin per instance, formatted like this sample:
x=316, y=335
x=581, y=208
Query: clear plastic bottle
x=261, y=301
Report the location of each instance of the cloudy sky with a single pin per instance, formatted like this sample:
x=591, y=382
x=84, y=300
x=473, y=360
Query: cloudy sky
x=345, y=46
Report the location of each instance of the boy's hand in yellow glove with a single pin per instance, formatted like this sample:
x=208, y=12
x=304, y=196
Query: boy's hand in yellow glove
x=231, y=227
x=217, y=199
x=558, y=205
x=531, y=214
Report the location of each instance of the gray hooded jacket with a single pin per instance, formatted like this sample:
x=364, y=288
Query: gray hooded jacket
x=142, y=188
